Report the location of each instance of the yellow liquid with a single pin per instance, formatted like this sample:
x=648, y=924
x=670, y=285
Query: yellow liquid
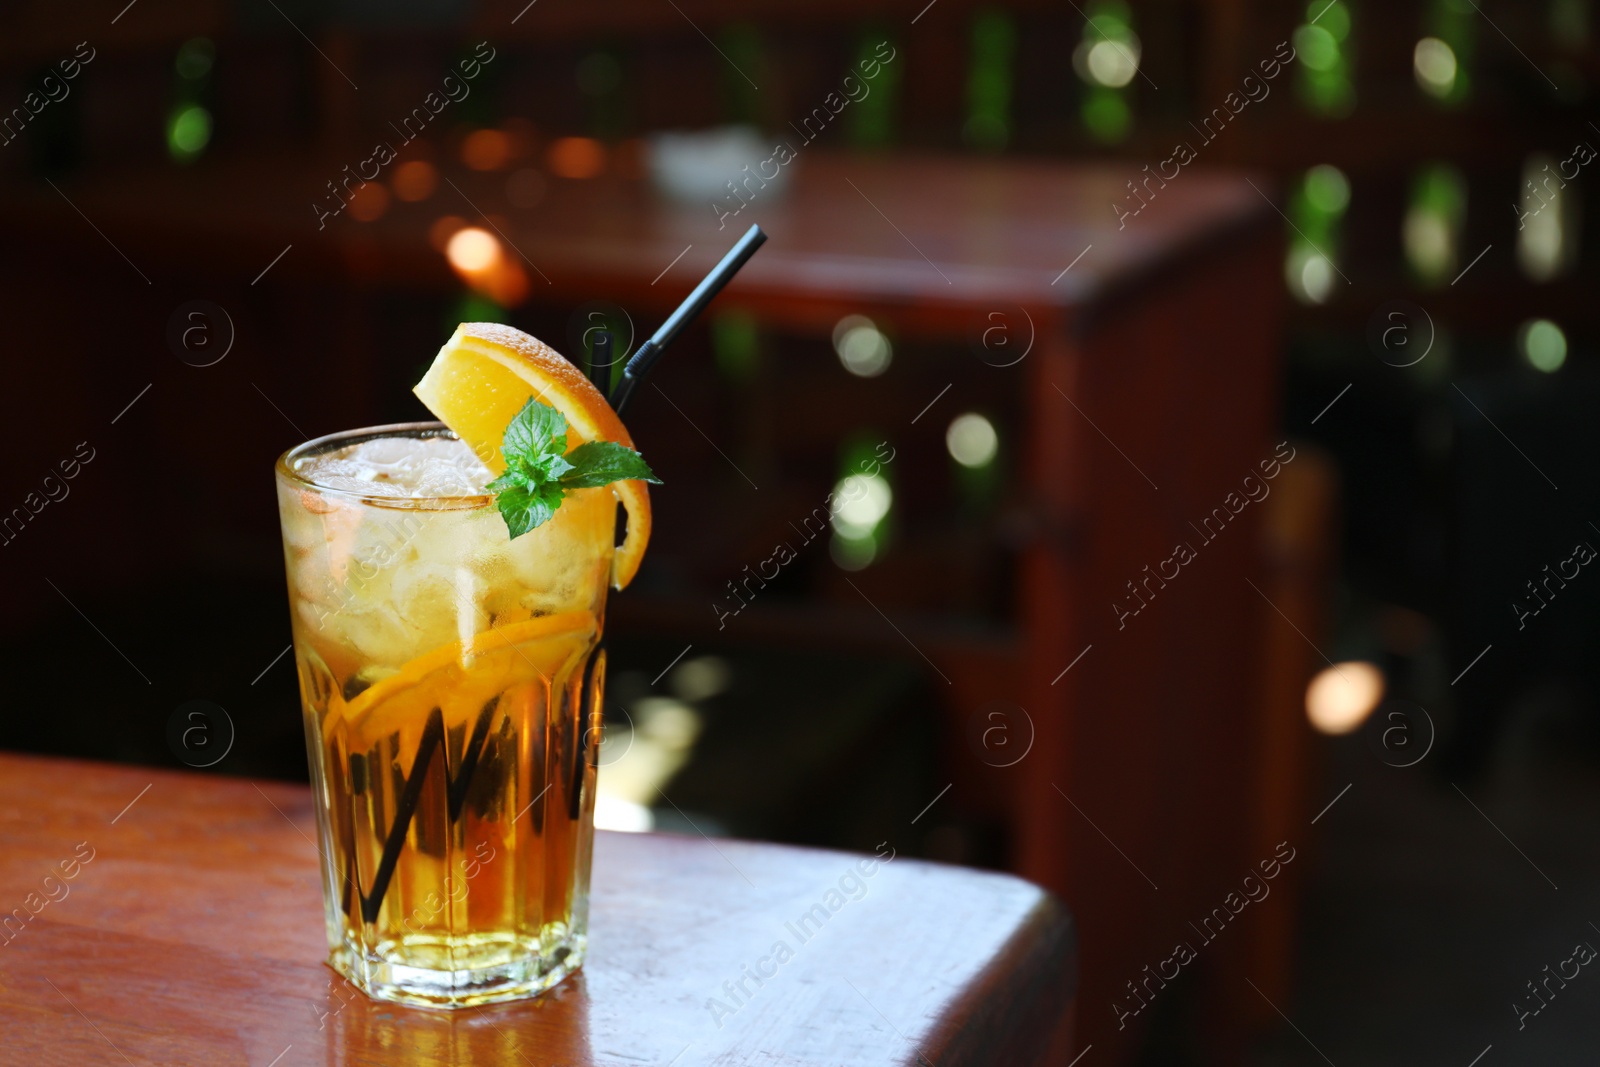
x=451, y=686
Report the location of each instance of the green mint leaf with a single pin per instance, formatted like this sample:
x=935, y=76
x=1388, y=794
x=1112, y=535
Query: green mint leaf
x=539, y=470
x=597, y=463
x=525, y=508
x=546, y=468
x=509, y=480
x=529, y=491
x=532, y=433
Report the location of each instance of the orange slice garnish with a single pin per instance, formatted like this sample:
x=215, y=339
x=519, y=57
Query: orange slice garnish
x=485, y=374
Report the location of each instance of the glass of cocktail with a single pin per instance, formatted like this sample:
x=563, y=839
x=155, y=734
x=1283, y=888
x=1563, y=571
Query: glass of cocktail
x=447, y=583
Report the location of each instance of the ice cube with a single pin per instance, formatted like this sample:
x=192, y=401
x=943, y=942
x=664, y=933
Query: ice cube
x=413, y=467
x=441, y=477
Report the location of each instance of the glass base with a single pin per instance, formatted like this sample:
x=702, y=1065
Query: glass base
x=460, y=972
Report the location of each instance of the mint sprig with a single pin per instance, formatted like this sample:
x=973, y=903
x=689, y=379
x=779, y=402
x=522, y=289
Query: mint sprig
x=540, y=471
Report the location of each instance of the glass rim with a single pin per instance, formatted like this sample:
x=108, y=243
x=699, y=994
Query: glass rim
x=328, y=442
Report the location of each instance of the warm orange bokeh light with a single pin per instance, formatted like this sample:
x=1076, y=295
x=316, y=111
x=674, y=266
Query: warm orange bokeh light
x=576, y=157
x=1340, y=698
x=369, y=202
x=471, y=250
x=478, y=259
x=443, y=229
x=415, y=180
x=486, y=150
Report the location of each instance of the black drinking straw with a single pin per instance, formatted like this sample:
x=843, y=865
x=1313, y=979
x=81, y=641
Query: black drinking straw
x=652, y=350
x=433, y=738
x=405, y=810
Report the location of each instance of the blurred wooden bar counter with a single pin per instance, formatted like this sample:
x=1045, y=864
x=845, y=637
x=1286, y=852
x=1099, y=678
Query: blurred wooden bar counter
x=176, y=918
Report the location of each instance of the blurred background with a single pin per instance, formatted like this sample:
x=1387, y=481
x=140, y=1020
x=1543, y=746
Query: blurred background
x=1205, y=389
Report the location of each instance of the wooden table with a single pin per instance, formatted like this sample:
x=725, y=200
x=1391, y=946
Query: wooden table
x=187, y=929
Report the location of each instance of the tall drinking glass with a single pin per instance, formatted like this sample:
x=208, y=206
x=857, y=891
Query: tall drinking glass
x=451, y=682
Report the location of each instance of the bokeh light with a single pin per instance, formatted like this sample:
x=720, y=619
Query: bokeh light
x=971, y=440
x=477, y=257
x=1427, y=241
x=1311, y=276
x=188, y=132
x=700, y=678
x=1317, y=208
x=1316, y=48
x=368, y=202
x=1113, y=63
x=471, y=249
x=861, y=346
x=1547, y=219
x=1543, y=345
x=486, y=150
x=576, y=157
x=1107, y=59
x=415, y=180
x=625, y=816
x=442, y=229
x=1340, y=698
x=638, y=758
x=1327, y=188
x=1434, y=64
x=1431, y=232
x=1323, y=62
x=863, y=502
